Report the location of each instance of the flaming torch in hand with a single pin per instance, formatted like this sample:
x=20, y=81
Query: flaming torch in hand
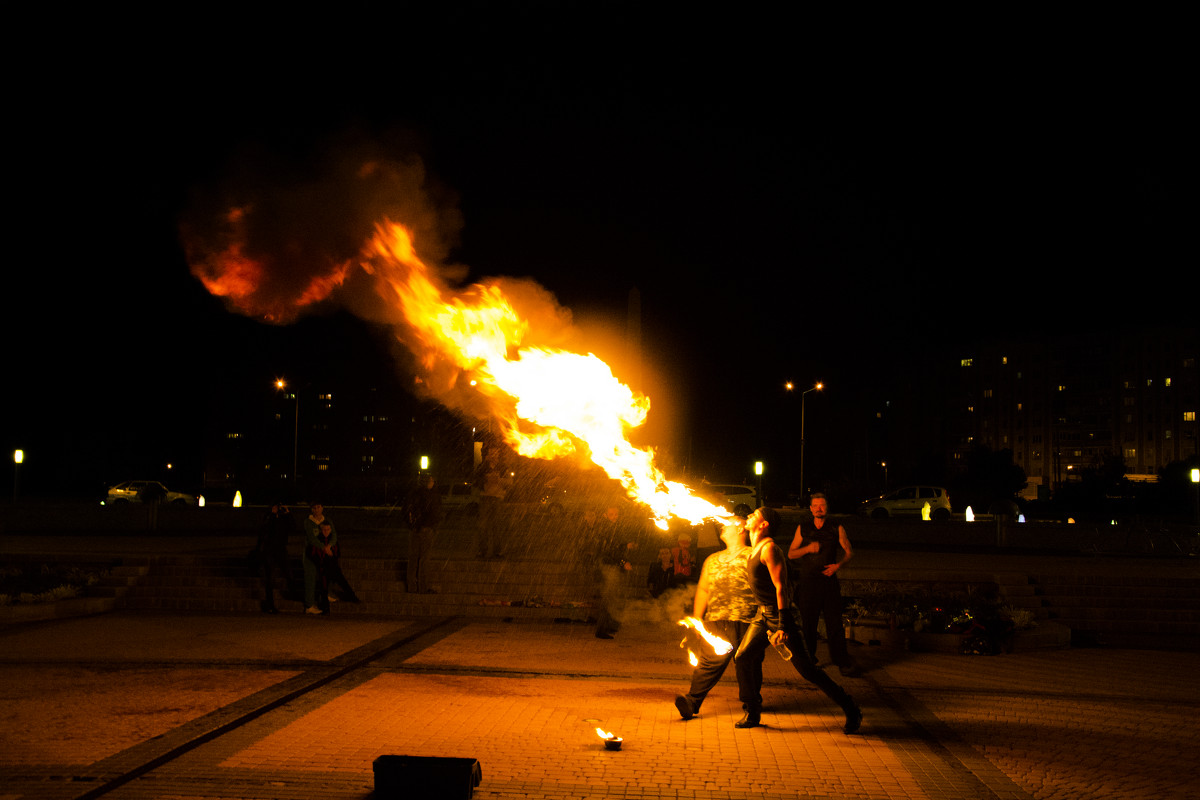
x=719, y=645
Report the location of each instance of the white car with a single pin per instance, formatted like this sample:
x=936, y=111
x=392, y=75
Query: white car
x=909, y=501
x=458, y=496
x=737, y=498
x=146, y=492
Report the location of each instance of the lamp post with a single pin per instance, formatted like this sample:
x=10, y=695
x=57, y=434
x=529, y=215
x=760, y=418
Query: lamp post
x=1195, y=483
x=816, y=387
x=758, y=471
x=281, y=384
x=18, y=459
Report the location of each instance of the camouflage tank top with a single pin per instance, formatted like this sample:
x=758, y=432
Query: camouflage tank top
x=729, y=596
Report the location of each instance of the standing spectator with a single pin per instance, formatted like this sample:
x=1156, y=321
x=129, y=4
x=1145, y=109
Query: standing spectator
x=814, y=558
x=424, y=516
x=615, y=545
x=321, y=562
x=312, y=527
x=681, y=560
x=493, y=483
x=658, y=579
x=326, y=555
x=273, y=536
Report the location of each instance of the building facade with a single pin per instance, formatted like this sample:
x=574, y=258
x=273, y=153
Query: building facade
x=1068, y=403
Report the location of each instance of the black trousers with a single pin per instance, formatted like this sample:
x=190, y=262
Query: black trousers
x=708, y=672
x=755, y=642
x=817, y=597
x=272, y=567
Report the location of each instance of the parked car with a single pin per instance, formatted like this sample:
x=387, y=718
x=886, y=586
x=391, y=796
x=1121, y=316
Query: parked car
x=458, y=497
x=737, y=498
x=146, y=492
x=908, y=501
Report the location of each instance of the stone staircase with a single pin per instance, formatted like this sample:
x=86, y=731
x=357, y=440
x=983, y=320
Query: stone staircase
x=509, y=589
x=1124, y=610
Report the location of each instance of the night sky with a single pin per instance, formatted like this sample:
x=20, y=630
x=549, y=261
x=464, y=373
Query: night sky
x=786, y=211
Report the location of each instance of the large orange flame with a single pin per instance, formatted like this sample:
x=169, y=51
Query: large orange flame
x=563, y=402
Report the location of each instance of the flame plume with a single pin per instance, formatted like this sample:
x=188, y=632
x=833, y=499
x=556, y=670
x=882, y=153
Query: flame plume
x=562, y=403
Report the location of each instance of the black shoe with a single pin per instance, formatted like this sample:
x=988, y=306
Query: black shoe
x=603, y=635
x=685, y=708
x=853, y=718
x=751, y=720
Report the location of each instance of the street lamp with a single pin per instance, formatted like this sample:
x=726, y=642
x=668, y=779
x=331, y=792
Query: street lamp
x=758, y=471
x=18, y=459
x=1195, y=482
x=281, y=384
x=816, y=387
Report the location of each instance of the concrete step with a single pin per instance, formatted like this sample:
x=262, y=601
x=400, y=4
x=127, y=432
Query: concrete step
x=505, y=589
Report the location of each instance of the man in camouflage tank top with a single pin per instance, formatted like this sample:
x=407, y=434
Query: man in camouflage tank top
x=725, y=604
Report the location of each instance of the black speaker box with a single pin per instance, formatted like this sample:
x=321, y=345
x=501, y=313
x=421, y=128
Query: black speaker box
x=425, y=777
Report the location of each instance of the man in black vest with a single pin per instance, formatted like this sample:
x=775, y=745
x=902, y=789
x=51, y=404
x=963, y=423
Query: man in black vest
x=767, y=571
x=815, y=563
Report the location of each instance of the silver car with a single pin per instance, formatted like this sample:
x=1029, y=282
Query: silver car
x=146, y=492
x=909, y=501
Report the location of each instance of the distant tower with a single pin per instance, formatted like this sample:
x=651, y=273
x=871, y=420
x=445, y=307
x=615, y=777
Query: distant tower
x=633, y=341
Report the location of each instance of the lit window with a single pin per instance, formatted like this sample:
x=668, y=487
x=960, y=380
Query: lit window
x=1003, y=359
x=1189, y=416
x=1130, y=452
x=1166, y=382
x=966, y=362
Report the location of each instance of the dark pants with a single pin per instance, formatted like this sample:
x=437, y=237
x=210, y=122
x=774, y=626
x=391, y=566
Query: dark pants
x=329, y=573
x=420, y=542
x=708, y=672
x=273, y=570
x=819, y=596
x=755, y=643
x=489, y=538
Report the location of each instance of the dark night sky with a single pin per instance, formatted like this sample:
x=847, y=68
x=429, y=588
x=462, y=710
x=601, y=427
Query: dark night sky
x=785, y=213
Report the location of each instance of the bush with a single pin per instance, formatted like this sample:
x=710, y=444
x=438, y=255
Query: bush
x=45, y=583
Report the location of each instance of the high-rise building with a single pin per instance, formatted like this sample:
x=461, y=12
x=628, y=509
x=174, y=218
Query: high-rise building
x=1067, y=403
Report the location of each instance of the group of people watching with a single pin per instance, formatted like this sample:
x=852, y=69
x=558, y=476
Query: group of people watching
x=744, y=596
x=320, y=560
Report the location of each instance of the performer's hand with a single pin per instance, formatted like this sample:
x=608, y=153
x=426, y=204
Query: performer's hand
x=830, y=570
x=777, y=638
